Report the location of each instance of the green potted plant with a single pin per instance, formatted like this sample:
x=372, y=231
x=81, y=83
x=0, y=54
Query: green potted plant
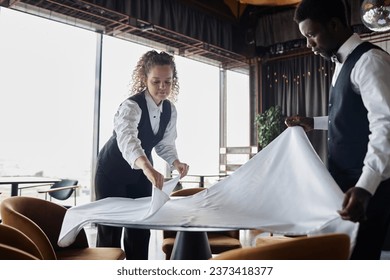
x=269, y=124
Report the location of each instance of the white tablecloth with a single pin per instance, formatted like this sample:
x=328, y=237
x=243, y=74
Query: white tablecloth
x=284, y=189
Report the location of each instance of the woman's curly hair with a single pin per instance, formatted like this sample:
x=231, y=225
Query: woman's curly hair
x=145, y=64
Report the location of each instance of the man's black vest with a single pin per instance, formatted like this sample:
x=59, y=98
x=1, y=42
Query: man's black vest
x=348, y=124
x=110, y=159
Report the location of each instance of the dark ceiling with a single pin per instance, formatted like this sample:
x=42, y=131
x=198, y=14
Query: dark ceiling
x=117, y=18
x=235, y=10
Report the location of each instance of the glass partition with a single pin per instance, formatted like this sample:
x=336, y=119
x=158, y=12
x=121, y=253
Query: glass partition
x=46, y=98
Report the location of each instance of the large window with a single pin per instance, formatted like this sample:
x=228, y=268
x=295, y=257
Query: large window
x=238, y=130
x=118, y=61
x=46, y=98
x=238, y=133
x=198, y=110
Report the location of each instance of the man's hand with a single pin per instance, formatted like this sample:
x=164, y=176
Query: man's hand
x=306, y=122
x=355, y=205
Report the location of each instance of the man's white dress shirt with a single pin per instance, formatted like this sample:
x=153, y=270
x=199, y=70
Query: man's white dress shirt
x=371, y=79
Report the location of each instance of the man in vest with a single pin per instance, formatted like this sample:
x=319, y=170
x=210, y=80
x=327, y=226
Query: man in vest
x=358, y=120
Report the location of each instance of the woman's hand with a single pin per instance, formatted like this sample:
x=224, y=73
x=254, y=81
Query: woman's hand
x=155, y=177
x=181, y=167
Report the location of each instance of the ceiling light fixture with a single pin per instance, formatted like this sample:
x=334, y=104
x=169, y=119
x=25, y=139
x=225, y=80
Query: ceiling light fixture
x=375, y=14
x=147, y=27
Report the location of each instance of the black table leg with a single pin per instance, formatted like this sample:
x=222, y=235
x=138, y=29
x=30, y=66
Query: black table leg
x=14, y=189
x=191, y=245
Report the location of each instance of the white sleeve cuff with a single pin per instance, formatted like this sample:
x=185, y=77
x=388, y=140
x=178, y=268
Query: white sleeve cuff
x=321, y=123
x=369, y=180
x=133, y=157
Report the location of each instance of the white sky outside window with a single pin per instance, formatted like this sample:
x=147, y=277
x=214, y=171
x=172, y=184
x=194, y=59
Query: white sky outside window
x=237, y=115
x=46, y=97
x=237, y=109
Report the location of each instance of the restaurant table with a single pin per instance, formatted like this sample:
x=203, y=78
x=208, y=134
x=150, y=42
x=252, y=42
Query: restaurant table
x=15, y=181
x=191, y=243
x=201, y=181
x=268, y=192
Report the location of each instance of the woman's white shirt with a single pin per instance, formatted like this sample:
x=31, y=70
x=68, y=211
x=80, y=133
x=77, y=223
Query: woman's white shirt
x=126, y=122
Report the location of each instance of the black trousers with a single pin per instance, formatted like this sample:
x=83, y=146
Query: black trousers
x=135, y=241
x=372, y=232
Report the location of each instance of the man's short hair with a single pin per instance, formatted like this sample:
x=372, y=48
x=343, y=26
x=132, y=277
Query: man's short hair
x=321, y=11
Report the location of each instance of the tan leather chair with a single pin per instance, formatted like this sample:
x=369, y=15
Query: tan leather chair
x=41, y=221
x=13, y=253
x=220, y=241
x=335, y=246
x=267, y=238
x=15, y=245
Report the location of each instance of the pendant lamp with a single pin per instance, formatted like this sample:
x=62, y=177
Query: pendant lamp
x=375, y=14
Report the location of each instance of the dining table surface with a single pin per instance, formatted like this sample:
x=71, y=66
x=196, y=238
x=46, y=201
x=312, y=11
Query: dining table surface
x=201, y=178
x=15, y=181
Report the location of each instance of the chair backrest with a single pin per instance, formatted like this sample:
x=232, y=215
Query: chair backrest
x=63, y=194
x=13, y=253
x=187, y=191
x=41, y=221
x=12, y=238
x=335, y=246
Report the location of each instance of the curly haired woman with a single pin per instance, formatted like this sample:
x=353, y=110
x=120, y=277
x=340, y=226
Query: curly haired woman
x=146, y=120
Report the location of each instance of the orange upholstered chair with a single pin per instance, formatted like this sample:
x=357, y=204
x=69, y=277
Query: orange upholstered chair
x=15, y=245
x=335, y=246
x=13, y=253
x=41, y=221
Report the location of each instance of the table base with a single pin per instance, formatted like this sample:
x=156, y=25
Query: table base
x=191, y=245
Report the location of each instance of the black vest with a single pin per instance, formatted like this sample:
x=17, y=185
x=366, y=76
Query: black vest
x=348, y=124
x=110, y=159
